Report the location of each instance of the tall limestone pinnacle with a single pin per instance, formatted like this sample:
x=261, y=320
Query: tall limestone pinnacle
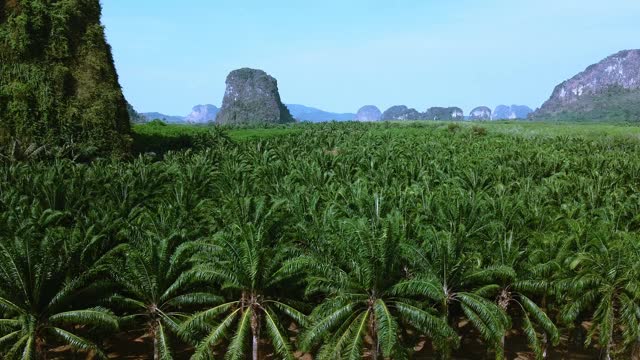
x=58, y=82
x=252, y=97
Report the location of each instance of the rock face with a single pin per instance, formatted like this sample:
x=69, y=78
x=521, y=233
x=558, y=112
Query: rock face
x=57, y=77
x=252, y=97
x=480, y=113
x=608, y=89
x=400, y=112
x=134, y=116
x=202, y=114
x=305, y=113
x=513, y=112
x=441, y=113
x=368, y=113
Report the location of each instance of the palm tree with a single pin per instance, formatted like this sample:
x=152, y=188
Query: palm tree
x=450, y=275
x=360, y=284
x=42, y=300
x=154, y=289
x=248, y=264
x=514, y=289
x=606, y=283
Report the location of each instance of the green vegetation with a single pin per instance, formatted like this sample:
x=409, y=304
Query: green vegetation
x=159, y=137
x=58, y=84
x=611, y=104
x=341, y=240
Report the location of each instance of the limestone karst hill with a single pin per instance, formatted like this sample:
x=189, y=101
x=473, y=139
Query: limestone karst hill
x=58, y=82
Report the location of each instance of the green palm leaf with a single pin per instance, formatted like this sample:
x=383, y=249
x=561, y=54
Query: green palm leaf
x=278, y=337
x=387, y=327
x=237, y=347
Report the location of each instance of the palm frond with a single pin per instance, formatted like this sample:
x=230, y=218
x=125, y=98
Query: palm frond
x=77, y=342
x=278, y=337
x=387, y=327
x=238, y=345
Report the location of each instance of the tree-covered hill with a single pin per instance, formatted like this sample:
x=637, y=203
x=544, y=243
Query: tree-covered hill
x=58, y=82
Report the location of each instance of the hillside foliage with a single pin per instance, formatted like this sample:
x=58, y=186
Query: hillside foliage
x=58, y=83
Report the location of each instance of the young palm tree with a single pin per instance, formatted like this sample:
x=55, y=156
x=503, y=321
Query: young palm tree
x=248, y=264
x=449, y=275
x=154, y=289
x=360, y=284
x=42, y=302
x=514, y=289
x=607, y=285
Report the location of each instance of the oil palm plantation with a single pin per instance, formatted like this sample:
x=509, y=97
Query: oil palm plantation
x=154, y=291
x=363, y=313
x=516, y=286
x=247, y=266
x=606, y=285
x=43, y=302
x=453, y=278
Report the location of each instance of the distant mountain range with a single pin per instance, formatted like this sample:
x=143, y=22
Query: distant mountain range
x=306, y=113
x=504, y=112
x=203, y=114
x=200, y=114
x=607, y=90
x=166, y=118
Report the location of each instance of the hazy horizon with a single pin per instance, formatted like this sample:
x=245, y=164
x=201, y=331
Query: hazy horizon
x=337, y=57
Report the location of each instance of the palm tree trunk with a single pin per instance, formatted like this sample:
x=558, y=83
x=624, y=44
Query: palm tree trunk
x=156, y=346
x=446, y=349
x=374, y=338
x=255, y=334
x=256, y=347
x=609, y=346
x=545, y=339
x=156, y=351
x=41, y=351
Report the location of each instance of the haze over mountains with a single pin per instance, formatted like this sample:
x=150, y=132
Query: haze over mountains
x=299, y=112
x=607, y=90
x=203, y=114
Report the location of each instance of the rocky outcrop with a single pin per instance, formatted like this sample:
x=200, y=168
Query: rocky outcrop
x=400, y=112
x=608, y=89
x=480, y=113
x=134, y=116
x=513, y=112
x=306, y=113
x=368, y=113
x=441, y=113
x=252, y=97
x=202, y=114
x=57, y=77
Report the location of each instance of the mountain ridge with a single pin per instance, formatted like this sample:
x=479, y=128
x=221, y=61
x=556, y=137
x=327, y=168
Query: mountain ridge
x=606, y=90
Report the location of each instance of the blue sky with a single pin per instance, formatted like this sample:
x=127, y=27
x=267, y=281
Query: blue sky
x=338, y=55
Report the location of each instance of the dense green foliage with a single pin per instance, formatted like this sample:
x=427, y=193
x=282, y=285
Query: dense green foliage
x=342, y=240
x=612, y=104
x=58, y=83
